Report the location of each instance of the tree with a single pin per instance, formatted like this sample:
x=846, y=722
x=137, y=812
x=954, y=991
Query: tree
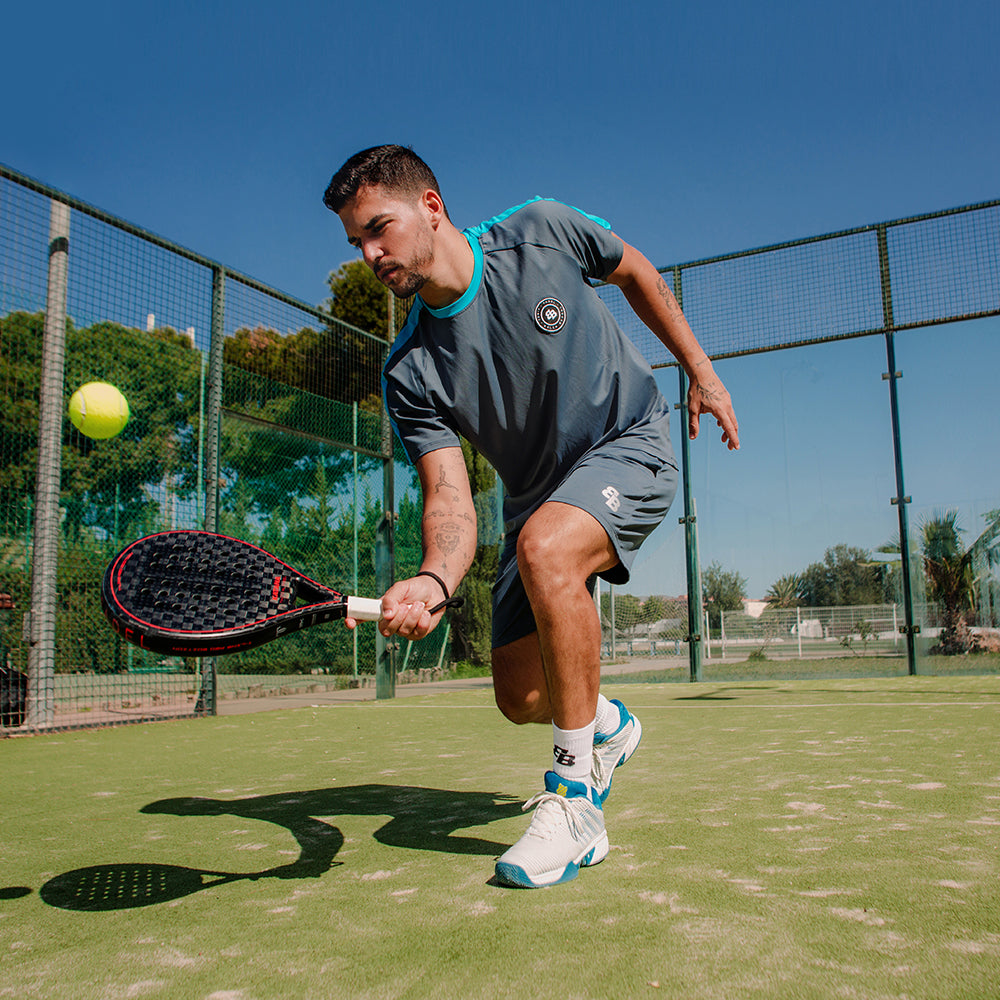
x=846, y=576
x=784, y=592
x=109, y=490
x=114, y=485
x=336, y=363
x=985, y=553
x=358, y=297
x=723, y=590
x=627, y=612
x=471, y=634
x=948, y=570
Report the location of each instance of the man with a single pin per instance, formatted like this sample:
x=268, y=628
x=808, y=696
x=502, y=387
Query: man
x=509, y=345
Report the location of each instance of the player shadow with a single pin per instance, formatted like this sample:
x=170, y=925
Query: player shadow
x=424, y=819
x=720, y=694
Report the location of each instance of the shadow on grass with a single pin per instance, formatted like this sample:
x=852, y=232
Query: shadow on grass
x=421, y=819
x=722, y=693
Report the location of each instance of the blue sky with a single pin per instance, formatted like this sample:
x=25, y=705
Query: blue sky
x=695, y=129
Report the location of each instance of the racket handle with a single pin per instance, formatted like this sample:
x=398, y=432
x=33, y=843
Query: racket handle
x=365, y=609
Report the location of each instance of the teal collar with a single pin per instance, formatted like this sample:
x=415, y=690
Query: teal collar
x=463, y=301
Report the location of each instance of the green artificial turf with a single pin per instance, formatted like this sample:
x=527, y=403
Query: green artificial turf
x=769, y=839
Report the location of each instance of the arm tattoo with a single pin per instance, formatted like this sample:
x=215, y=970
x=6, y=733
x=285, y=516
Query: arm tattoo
x=449, y=533
x=448, y=537
x=443, y=484
x=669, y=299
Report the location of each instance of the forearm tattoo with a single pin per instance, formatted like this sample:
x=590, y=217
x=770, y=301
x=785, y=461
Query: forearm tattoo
x=450, y=531
x=673, y=307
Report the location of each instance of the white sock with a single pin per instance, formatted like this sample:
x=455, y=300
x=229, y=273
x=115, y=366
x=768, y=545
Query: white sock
x=608, y=717
x=572, y=751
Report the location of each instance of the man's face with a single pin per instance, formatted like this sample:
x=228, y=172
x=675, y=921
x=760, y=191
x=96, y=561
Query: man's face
x=395, y=235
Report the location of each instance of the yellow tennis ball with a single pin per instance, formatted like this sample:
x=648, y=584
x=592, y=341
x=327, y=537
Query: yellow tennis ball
x=98, y=410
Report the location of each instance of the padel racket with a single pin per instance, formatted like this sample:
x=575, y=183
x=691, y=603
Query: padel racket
x=193, y=593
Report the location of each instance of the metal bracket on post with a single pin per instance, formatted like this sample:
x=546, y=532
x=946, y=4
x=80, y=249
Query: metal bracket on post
x=895, y=501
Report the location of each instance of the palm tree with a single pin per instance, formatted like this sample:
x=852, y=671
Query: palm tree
x=948, y=570
x=784, y=592
x=985, y=553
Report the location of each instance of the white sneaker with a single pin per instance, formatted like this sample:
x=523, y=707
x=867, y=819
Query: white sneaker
x=611, y=750
x=566, y=832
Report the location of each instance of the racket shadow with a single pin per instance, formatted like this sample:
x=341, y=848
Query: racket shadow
x=126, y=886
x=418, y=819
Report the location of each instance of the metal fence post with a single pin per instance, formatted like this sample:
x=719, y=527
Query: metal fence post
x=207, y=703
x=385, y=544
x=900, y=500
x=689, y=520
x=45, y=550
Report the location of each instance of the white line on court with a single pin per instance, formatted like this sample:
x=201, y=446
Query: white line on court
x=712, y=703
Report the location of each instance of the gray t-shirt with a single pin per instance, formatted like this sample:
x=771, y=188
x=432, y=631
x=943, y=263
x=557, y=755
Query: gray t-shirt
x=528, y=364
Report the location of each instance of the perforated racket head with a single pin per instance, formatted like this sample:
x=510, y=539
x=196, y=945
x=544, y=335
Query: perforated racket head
x=200, y=594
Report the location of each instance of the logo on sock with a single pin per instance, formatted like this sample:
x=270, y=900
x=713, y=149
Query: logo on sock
x=563, y=757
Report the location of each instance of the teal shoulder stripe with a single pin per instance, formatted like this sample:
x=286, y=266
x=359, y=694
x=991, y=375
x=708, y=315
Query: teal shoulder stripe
x=593, y=218
x=483, y=227
x=472, y=235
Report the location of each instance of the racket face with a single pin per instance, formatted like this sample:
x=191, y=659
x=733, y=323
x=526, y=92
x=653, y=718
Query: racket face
x=199, y=594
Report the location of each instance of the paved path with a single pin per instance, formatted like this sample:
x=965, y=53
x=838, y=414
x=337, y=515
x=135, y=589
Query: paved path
x=305, y=699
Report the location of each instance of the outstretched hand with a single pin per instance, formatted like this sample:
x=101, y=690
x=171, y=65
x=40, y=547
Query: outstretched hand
x=707, y=394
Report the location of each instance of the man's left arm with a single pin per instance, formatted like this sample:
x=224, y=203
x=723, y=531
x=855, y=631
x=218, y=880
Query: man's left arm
x=653, y=302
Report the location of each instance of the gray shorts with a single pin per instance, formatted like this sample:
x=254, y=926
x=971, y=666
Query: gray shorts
x=628, y=485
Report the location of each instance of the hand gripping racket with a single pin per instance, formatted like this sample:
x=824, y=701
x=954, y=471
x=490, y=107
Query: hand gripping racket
x=192, y=593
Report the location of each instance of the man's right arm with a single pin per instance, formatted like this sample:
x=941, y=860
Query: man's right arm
x=449, y=543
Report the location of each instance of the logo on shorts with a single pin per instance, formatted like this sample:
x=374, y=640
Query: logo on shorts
x=550, y=315
x=612, y=498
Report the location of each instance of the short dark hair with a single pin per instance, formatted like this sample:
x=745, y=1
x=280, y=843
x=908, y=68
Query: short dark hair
x=396, y=168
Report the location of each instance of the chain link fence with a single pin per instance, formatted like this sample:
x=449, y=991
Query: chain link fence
x=252, y=414
x=885, y=280
x=260, y=416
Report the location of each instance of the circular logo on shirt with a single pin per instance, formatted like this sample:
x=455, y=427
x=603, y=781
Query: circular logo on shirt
x=550, y=315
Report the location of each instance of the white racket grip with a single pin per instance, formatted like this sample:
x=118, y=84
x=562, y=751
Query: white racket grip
x=364, y=609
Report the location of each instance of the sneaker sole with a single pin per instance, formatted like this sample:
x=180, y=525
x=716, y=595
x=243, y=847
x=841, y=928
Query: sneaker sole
x=517, y=877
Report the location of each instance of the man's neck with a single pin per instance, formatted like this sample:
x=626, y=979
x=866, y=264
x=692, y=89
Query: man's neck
x=454, y=266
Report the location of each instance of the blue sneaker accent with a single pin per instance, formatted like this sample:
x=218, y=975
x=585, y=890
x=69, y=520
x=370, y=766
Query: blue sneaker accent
x=611, y=750
x=516, y=877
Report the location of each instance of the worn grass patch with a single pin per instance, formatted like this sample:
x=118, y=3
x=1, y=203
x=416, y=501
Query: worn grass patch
x=772, y=839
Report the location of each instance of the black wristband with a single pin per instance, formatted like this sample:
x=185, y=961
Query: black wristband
x=434, y=576
x=449, y=601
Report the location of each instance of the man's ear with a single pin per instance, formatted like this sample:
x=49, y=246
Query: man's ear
x=433, y=205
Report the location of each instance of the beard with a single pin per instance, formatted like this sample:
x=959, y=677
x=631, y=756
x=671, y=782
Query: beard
x=405, y=282
x=407, y=279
